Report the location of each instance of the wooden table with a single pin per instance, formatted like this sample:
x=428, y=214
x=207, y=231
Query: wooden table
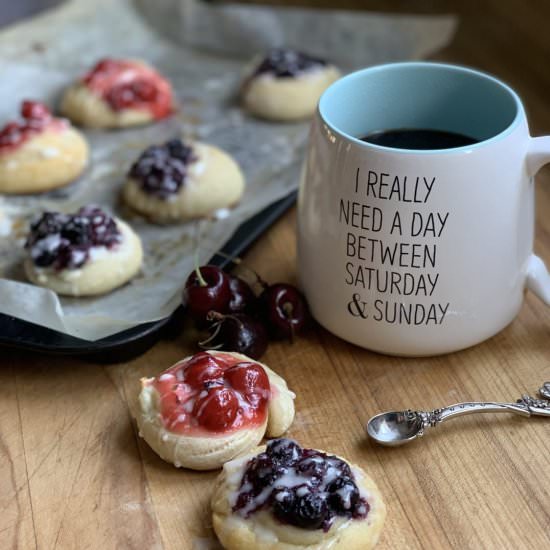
x=74, y=474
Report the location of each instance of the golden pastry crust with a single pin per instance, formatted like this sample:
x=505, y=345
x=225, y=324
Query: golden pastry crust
x=287, y=99
x=111, y=269
x=261, y=530
x=214, y=181
x=209, y=453
x=48, y=160
x=87, y=109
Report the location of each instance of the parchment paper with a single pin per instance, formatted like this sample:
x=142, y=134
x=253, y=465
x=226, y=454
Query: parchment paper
x=39, y=58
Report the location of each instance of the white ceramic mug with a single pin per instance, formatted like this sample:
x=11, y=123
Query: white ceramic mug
x=419, y=252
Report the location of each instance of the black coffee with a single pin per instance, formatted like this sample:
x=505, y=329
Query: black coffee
x=413, y=138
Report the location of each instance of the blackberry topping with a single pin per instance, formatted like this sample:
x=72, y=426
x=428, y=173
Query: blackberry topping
x=161, y=170
x=284, y=451
x=302, y=487
x=63, y=241
x=283, y=63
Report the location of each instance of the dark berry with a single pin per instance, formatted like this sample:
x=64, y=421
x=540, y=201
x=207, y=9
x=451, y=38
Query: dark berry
x=161, y=170
x=284, y=309
x=339, y=465
x=243, y=299
x=64, y=241
x=262, y=472
x=309, y=511
x=49, y=223
x=71, y=256
x=283, y=63
x=238, y=332
x=314, y=467
x=343, y=495
x=284, y=451
x=77, y=230
x=283, y=500
x=206, y=292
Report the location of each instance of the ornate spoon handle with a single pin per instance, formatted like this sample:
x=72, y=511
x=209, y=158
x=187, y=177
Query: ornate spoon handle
x=526, y=406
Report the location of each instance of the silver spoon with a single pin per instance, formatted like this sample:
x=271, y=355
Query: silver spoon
x=399, y=427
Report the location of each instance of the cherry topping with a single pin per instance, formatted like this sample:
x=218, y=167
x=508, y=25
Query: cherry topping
x=249, y=379
x=207, y=392
x=126, y=84
x=217, y=409
x=284, y=309
x=205, y=291
x=36, y=117
x=237, y=332
x=35, y=110
x=201, y=369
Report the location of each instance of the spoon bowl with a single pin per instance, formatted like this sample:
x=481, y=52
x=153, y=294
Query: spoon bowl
x=394, y=428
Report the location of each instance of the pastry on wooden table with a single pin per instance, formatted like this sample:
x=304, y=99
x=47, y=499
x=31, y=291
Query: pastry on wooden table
x=40, y=152
x=82, y=254
x=210, y=407
x=117, y=93
x=285, y=497
x=286, y=85
x=178, y=181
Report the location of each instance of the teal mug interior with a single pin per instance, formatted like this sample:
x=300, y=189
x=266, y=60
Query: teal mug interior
x=420, y=95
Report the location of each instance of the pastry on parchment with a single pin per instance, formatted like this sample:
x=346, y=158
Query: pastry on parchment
x=285, y=497
x=82, y=254
x=117, y=93
x=286, y=85
x=210, y=407
x=40, y=152
x=177, y=181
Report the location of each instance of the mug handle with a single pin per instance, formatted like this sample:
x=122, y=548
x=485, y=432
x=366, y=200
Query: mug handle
x=538, y=278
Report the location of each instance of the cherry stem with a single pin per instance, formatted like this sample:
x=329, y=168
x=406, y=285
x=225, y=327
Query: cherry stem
x=239, y=261
x=200, y=278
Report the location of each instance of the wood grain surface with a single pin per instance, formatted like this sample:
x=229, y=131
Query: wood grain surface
x=74, y=474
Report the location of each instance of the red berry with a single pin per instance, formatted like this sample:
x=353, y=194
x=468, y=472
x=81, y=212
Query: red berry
x=217, y=410
x=249, y=379
x=34, y=109
x=284, y=309
x=212, y=296
x=200, y=369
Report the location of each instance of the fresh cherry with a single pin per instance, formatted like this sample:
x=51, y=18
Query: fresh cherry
x=206, y=289
x=284, y=309
x=217, y=410
x=243, y=299
x=237, y=332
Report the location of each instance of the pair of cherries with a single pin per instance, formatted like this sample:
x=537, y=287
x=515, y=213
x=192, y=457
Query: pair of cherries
x=239, y=320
